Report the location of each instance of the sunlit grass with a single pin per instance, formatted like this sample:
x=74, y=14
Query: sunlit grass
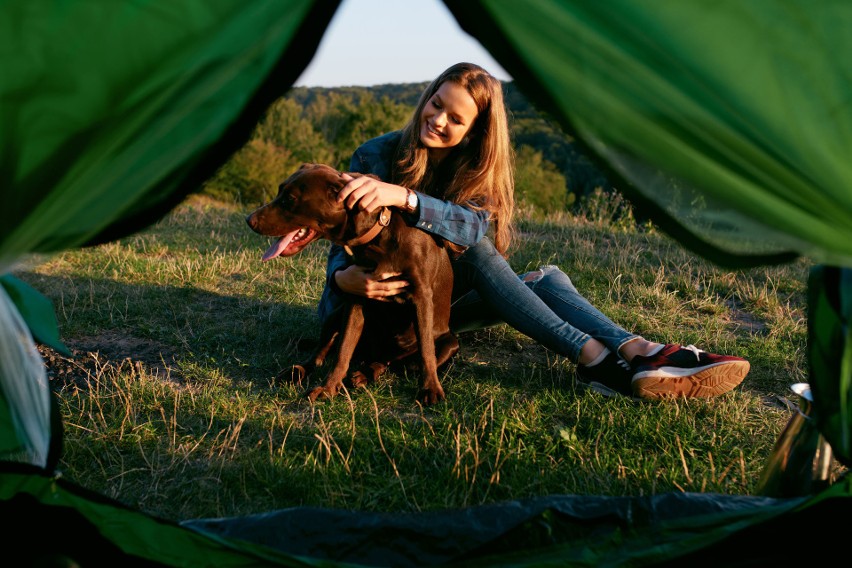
x=180, y=329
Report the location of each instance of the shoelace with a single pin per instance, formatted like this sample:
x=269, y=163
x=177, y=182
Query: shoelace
x=624, y=364
x=695, y=350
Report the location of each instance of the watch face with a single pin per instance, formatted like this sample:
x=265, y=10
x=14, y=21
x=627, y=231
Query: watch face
x=412, y=200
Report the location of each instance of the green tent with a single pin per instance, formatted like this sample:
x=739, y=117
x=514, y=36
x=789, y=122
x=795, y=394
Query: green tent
x=727, y=122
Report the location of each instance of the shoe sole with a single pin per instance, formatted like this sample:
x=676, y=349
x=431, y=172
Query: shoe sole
x=705, y=383
x=604, y=390
x=600, y=388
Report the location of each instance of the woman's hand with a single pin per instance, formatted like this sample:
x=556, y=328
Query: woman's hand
x=361, y=281
x=369, y=194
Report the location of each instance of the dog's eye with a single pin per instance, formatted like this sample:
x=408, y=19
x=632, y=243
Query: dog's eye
x=286, y=198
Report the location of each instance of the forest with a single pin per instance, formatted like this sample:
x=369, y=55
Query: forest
x=326, y=125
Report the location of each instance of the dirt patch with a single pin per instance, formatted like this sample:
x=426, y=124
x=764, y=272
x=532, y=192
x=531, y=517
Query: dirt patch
x=91, y=354
x=745, y=320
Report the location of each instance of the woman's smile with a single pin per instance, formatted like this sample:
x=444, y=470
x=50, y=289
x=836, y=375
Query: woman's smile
x=431, y=130
x=446, y=119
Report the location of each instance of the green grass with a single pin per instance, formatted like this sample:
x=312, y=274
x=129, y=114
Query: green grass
x=169, y=406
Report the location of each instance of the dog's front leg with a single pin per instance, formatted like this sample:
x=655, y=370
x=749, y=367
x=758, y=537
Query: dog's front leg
x=430, y=387
x=348, y=340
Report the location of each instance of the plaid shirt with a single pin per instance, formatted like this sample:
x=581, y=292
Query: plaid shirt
x=456, y=223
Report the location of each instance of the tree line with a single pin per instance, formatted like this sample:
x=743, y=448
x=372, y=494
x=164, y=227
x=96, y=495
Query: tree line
x=326, y=125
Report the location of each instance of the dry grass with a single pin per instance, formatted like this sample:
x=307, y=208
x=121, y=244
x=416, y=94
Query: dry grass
x=178, y=330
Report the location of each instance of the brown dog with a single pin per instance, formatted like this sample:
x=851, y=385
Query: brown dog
x=306, y=209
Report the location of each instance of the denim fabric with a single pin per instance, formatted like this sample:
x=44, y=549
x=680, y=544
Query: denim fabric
x=332, y=298
x=543, y=304
x=456, y=223
x=375, y=156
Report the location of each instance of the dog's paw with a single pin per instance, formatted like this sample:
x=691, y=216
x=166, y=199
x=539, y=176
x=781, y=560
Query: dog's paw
x=430, y=396
x=359, y=379
x=367, y=374
x=321, y=393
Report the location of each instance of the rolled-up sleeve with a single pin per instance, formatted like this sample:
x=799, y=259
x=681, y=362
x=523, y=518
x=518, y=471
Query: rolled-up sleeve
x=458, y=224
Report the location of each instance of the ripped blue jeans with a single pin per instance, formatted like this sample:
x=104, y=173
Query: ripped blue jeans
x=543, y=304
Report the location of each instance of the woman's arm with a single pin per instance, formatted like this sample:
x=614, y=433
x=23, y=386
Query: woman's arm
x=332, y=296
x=343, y=277
x=337, y=260
x=456, y=223
x=459, y=224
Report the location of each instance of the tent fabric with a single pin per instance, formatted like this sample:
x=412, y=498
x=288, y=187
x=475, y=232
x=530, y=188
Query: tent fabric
x=743, y=159
x=585, y=530
x=729, y=123
x=25, y=431
x=58, y=519
x=37, y=312
x=830, y=356
x=113, y=112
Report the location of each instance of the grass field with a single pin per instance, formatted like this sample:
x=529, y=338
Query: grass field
x=177, y=332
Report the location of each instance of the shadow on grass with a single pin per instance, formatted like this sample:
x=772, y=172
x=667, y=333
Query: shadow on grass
x=245, y=338
x=186, y=333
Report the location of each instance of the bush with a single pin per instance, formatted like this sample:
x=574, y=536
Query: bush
x=538, y=183
x=607, y=209
x=252, y=175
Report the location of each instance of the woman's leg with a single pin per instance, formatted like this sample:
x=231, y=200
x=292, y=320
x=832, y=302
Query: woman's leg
x=544, y=305
x=555, y=288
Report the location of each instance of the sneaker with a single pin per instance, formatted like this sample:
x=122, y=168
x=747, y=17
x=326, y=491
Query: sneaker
x=610, y=377
x=689, y=372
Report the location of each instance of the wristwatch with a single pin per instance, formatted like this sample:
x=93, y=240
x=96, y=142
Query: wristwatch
x=411, y=202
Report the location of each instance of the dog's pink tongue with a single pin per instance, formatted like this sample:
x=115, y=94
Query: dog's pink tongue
x=278, y=246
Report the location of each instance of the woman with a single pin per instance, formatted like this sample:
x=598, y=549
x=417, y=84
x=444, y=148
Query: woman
x=449, y=170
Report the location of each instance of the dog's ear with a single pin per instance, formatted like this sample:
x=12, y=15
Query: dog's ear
x=334, y=181
x=339, y=182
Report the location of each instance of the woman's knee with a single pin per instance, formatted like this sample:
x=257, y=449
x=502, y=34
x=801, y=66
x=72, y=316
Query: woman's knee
x=549, y=277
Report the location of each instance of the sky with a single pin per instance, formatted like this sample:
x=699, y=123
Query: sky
x=374, y=42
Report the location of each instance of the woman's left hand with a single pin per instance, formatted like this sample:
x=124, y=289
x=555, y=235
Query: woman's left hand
x=369, y=194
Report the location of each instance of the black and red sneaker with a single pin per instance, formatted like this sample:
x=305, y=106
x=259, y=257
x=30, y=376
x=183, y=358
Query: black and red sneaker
x=610, y=377
x=686, y=372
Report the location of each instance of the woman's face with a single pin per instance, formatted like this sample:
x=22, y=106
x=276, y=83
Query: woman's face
x=446, y=119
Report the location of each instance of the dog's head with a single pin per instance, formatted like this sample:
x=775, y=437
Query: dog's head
x=305, y=209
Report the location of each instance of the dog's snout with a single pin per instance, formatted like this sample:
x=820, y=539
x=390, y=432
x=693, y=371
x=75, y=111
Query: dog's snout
x=251, y=220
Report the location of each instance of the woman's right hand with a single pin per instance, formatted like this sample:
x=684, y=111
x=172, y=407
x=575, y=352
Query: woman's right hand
x=362, y=281
x=368, y=193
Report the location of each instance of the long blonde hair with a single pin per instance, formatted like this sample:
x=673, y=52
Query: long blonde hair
x=477, y=172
